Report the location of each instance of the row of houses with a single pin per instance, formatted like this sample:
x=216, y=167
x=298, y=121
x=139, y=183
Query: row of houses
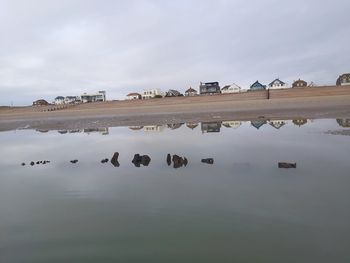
x=209, y=88
x=84, y=98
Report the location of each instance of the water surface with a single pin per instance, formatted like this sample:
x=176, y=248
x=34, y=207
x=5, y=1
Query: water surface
x=243, y=208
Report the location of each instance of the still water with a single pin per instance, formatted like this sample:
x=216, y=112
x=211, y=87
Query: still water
x=241, y=208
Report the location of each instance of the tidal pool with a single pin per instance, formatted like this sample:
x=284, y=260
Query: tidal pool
x=241, y=208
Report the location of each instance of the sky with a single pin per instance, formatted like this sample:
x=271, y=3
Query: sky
x=52, y=48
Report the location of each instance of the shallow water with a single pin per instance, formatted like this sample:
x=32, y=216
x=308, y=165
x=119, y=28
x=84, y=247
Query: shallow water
x=242, y=208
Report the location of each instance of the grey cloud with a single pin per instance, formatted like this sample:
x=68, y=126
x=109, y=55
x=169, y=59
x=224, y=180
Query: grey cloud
x=51, y=48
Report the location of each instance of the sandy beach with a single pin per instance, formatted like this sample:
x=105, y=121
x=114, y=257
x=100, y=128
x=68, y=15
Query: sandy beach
x=314, y=103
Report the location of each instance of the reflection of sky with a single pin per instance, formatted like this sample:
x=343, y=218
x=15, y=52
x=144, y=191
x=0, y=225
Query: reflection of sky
x=243, y=182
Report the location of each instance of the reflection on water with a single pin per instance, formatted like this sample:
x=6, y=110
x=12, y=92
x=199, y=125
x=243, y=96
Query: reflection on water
x=209, y=192
x=344, y=123
x=206, y=127
x=102, y=130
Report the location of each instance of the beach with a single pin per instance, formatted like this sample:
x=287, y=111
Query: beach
x=312, y=103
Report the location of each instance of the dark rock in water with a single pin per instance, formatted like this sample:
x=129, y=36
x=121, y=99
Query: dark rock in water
x=287, y=165
x=177, y=161
x=185, y=161
x=32, y=163
x=145, y=160
x=208, y=160
x=74, y=161
x=168, y=159
x=114, y=159
x=23, y=164
x=37, y=162
x=141, y=159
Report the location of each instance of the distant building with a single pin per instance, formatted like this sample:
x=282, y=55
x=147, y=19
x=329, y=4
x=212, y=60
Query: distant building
x=257, y=86
x=59, y=100
x=40, y=103
x=209, y=88
x=257, y=124
x=71, y=99
x=343, y=80
x=299, y=122
x=277, y=124
x=133, y=96
x=191, y=92
x=99, y=96
x=234, y=88
x=150, y=94
x=277, y=84
x=208, y=127
x=173, y=93
x=232, y=124
x=299, y=84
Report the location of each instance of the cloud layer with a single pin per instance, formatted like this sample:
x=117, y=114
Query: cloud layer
x=51, y=48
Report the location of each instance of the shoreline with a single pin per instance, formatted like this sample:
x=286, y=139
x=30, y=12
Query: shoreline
x=158, y=112
x=312, y=103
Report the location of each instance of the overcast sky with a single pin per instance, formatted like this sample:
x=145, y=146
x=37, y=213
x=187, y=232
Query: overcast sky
x=67, y=47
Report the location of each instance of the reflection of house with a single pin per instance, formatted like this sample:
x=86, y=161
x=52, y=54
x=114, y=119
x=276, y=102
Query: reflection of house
x=173, y=93
x=40, y=103
x=299, y=84
x=299, y=122
x=207, y=127
x=190, y=92
x=209, y=88
x=231, y=124
x=234, y=88
x=62, y=131
x=99, y=96
x=277, y=84
x=191, y=125
x=344, y=122
x=135, y=128
x=257, y=86
x=175, y=126
x=277, y=123
x=133, y=96
x=102, y=130
x=59, y=100
x=153, y=128
x=150, y=94
x=343, y=80
x=258, y=123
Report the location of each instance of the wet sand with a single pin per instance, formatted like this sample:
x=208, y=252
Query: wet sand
x=173, y=110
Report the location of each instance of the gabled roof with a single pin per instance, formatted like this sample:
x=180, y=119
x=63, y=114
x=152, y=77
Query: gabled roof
x=228, y=86
x=133, y=94
x=257, y=124
x=257, y=84
x=278, y=80
x=59, y=98
x=190, y=90
x=174, y=92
